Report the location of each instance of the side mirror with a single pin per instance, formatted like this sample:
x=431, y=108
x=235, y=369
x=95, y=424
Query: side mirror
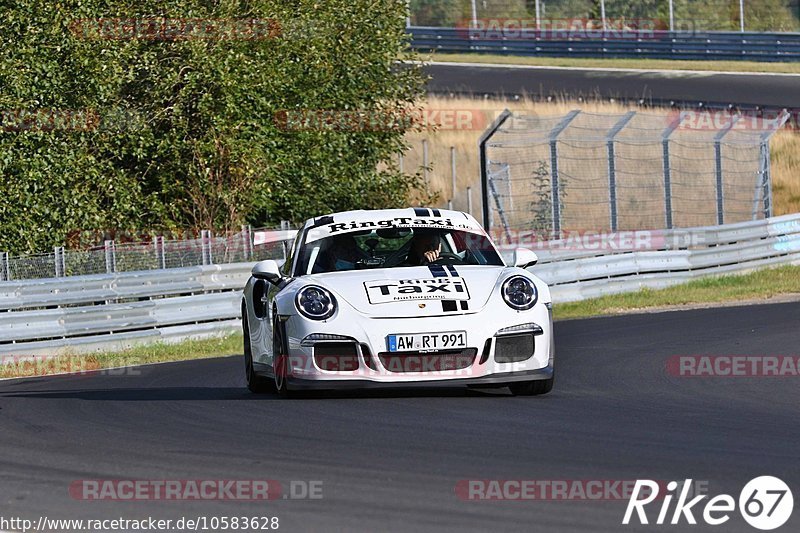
x=267, y=270
x=523, y=258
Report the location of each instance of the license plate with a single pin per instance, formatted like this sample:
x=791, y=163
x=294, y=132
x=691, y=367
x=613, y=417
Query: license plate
x=428, y=341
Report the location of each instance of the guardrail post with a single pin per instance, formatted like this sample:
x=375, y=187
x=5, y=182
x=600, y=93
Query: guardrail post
x=612, y=166
x=665, y=135
x=158, y=247
x=5, y=267
x=205, y=244
x=58, y=259
x=554, y=183
x=111, y=256
x=718, y=168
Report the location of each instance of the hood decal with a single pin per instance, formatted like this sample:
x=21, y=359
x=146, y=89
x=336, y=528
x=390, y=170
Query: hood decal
x=438, y=288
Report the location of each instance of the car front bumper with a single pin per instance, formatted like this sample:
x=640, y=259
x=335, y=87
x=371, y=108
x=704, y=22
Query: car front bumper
x=370, y=336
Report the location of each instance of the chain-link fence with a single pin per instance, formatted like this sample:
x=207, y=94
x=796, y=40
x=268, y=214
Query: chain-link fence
x=628, y=171
x=247, y=245
x=677, y=15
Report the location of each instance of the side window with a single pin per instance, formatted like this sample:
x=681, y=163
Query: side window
x=286, y=269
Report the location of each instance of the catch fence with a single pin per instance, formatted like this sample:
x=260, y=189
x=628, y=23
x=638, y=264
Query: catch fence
x=628, y=171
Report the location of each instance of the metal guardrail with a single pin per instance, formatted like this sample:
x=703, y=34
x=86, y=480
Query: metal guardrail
x=682, y=255
x=113, y=311
x=709, y=45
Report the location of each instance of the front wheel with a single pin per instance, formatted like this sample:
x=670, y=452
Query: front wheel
x=255, y=383
x=531, y=388
x=280, y=363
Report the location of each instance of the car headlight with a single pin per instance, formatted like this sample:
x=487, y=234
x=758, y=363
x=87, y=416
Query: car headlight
x=519, y=293
x=315, y=303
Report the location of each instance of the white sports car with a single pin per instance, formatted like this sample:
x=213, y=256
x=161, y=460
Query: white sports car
x=397, y=297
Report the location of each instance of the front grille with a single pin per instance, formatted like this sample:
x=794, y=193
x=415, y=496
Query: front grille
x=415, y=362
x=514, y=348
x=336, y=356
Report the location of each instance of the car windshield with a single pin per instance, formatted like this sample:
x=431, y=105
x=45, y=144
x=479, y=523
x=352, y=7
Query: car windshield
x=395, y=248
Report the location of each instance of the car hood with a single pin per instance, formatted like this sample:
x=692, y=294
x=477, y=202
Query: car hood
x=413, y=291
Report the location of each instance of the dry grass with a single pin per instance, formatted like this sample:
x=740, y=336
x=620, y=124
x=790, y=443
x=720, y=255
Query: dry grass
x=786, y=172
x=645, y=64
x=785, y=148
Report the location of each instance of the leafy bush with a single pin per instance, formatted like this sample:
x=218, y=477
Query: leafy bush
x=182, y=132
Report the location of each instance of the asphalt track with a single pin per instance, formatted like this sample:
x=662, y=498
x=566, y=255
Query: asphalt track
x=390, y=460
x=658, y=87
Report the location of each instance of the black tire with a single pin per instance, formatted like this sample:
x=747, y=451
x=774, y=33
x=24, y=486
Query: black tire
x=531, y=388
x=255, y=383
x=280, y=363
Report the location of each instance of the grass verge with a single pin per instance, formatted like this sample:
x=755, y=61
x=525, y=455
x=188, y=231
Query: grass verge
x=29, y=366
x=762, y=284
x=758, y=285
x=645, y=64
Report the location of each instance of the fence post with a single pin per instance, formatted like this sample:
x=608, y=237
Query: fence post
x=718, y=168
x=161, y=256
x=764, y=185
x=111, y=256
x=400, y=162
x=612, y=166
x=425, y=161
x=500, y=211
x=205, y=243
x=484, y=162
x=247, y=241
x=453, y=172
x=58, y=259
x=554, y=184
x=5, y=267
x=665, y=135
x=285, y=227
x=766, y=178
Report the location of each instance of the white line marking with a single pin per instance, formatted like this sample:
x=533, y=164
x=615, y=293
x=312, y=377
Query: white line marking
x=607, y=69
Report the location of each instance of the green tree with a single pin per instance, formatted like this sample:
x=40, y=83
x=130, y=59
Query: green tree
x=187, y=134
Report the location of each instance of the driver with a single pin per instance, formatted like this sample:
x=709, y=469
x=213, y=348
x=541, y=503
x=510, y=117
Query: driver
x=425, y=248
x=344, y=253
